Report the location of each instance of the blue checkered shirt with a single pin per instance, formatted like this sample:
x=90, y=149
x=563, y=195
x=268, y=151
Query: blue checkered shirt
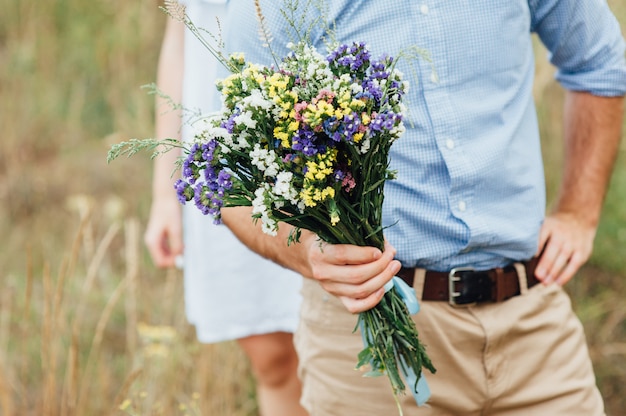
x=470, y=187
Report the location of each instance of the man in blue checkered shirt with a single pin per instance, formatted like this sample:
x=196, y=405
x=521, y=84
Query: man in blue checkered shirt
x=468, y=208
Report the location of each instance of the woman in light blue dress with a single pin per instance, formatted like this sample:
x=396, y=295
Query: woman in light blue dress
x=230, y=292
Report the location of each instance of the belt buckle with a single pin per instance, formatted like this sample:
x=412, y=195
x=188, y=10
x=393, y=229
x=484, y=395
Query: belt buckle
x=452, y=293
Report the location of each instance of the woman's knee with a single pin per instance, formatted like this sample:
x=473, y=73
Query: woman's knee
x=272, y=357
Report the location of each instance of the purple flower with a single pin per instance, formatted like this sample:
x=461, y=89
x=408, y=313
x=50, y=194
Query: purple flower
x=210, y=175
x=351, y=124
x=202, y=199
x=184, y=191
x=190, y=170
x=350, y=59
x=385, y=121
x=224, y=180
x=371, y=89
x=303, y=141
x=229, y=124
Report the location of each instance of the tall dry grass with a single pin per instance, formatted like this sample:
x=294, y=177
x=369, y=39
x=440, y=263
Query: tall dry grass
x=87, y=325
x=99, y=336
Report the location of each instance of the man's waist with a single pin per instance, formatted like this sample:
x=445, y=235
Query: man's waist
x=466, y=285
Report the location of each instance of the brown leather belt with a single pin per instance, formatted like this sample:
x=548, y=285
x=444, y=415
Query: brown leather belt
x=466, y=286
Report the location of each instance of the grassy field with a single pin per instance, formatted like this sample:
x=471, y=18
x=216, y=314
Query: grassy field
x=87, y=325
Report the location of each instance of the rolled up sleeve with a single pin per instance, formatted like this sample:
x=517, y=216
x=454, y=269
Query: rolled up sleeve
x=585, y=44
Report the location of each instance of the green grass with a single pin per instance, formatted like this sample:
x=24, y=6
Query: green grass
x=86, y=322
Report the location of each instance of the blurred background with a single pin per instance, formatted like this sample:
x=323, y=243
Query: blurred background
x=88, y=326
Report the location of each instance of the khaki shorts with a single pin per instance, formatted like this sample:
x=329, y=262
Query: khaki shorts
x=523, y=357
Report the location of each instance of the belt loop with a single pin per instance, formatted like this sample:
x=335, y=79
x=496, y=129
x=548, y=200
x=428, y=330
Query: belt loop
x=522, y=277
x=419, y=277
x=500, y=285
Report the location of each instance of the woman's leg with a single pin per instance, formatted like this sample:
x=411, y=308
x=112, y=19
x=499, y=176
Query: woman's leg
x=274, y=364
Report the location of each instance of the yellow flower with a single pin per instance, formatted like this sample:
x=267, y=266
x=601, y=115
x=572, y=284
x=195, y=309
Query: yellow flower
x=282, y=136
x=228, y=83
x=312, y=195
x=307, y=196
x=237, y=58
x=156, y=350
x=277, y=84
x=156, y=333
x=325, y=108
x=329, y=192
x=356, y=104
x=317, y=170
x=293, y=126
x=125, y=404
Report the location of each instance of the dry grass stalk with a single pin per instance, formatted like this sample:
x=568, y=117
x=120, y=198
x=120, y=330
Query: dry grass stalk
x=96, y=343
x=70, y=387
x=123, y=393
x=29, y=283
x=58, y=323
x=85, y=385
x=6, y=394
x=92, y=273
x=82, y=235
x=6, y=310
x=24, y=328
x=132, y=272
x=48, y=358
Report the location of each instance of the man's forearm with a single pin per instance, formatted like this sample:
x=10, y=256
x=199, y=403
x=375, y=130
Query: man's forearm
x=274, y=248
x=592, y=134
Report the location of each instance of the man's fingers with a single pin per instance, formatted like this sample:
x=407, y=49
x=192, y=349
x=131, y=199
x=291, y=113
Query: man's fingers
x=342, y=254
x=363, y=304
x=574, y=264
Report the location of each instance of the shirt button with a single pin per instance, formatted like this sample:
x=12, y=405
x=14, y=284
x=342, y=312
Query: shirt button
x=434, y=78
x=424, y=9
x=462, y=206
x=450, y=144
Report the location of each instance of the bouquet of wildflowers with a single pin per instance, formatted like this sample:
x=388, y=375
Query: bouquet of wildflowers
x=306, y=142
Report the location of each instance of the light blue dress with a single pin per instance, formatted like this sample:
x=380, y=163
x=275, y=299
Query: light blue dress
x=230, y=291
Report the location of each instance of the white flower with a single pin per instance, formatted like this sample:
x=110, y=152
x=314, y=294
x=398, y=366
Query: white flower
x=242, y=141
x=283, y=188
x=245, y=118
x=269, y=226
x=264, y=160
x=356, y=89
x=283, y=180
x=272, y=169
x=256, y=100
x=260, y=210
x=365, y=145
x=258, y=203
x=208, y=130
